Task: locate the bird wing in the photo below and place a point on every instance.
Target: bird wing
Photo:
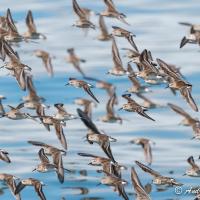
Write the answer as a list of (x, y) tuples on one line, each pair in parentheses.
[(140, 191), (105, 145), (60, 134), (19, 187), (179, 110), (141, 112), (12, 186), (87, 121), (79, 12), (57, 160), (128, 98), (115, 55), (186, 94), (38, 189), (87, 155), (147, 169), (20, 76), (36, 143), (144, 98), (148, 152), (4, 156), (87, 89), (132, 77), (41, 113), (30, 86), (43, 157), (50, 66), (10, 22), (167, 70), (102, 25), (110, 5), (77, 67), (30, 22), (110, 105), (191, 161), (122, 191)]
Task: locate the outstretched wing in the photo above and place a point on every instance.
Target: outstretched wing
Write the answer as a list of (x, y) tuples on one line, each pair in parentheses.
[(87, 121), (87, 89), (30, 22), (43, 157), (147, 169), (38, 189)]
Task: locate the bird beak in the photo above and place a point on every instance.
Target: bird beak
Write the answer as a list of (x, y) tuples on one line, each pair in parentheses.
[(66, 84), (34, 170), (90, 163), (184, 174), (120, 108)]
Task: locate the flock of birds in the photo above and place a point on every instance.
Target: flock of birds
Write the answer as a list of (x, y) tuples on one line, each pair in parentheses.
[(149, 72)]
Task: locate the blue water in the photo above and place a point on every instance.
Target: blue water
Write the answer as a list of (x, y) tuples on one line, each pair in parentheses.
[(156, 25)]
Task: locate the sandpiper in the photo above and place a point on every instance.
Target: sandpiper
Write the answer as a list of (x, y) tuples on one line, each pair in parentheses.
[(133, 106), (75, 61), (46, 59), (45, 164), (31, 182), (104, 35), (32, 31), (62, 114), (137, 87), (10, 181), (96, 136), (194, 170), (4, 156), (110, 115), (117, 69), (176, 82), (194, 35), (146, 145), (83, 21), (111, 11), (99, 161), (120, 32), (141, 194), (106, 163), (16, 114), (56, 155), (158, 178), (84, 85), (104, 141)]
